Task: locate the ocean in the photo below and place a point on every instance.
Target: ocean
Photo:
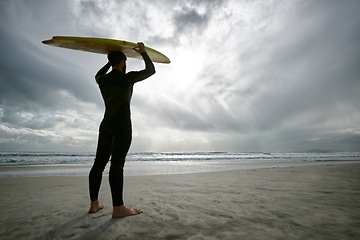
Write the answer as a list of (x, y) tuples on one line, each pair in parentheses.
[(32, 164)]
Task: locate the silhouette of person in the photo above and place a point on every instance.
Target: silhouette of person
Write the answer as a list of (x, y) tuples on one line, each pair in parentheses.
[(115, 132)]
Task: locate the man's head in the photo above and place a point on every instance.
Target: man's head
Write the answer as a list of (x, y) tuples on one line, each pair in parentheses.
[(117, 59)]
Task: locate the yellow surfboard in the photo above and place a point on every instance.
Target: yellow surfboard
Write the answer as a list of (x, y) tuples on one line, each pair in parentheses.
[(104, 46)]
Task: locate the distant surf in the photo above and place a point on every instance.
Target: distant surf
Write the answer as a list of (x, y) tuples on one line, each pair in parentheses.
[(18, 164)]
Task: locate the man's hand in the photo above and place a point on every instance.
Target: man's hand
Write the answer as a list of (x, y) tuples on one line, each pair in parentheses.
[(141, 48)]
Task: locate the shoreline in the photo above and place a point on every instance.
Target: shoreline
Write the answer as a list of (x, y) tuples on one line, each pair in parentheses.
[(311, 202), (150, 168)]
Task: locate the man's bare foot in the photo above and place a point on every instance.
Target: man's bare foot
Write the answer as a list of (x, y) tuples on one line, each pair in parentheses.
[(95, 206), (122, 211)]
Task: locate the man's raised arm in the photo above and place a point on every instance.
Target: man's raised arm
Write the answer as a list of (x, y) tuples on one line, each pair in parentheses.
[(102, 71), (149, 66)]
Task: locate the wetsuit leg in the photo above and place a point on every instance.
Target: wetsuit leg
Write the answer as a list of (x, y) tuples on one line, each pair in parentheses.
[(120, 146), (102, 157)]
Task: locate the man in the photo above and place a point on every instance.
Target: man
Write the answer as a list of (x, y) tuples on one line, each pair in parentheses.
[(115, 131)]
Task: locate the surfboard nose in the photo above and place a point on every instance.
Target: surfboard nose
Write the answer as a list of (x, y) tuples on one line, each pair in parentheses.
[(46, 41)]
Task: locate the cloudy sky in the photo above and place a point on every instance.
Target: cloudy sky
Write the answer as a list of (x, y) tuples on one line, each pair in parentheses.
[(262, 75)]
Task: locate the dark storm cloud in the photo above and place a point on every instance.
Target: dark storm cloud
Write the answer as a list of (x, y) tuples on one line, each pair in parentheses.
[(312, 67), (188, 20), (29, 75), (316, 83), (31, 84), (39, 90)]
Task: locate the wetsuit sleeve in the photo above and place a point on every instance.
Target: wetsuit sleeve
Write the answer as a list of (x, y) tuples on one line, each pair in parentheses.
[(143, 74), (102, 72)]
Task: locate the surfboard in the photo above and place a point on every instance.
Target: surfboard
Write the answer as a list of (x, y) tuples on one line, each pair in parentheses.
[(104, 46)]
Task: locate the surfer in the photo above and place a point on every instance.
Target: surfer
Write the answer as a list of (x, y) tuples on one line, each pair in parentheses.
[(115, 132)]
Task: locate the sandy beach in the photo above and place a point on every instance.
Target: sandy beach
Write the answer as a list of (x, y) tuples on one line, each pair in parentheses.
[(314, 202)]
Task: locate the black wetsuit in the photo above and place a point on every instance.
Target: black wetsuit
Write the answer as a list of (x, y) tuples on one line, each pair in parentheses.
[(115, 131)]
